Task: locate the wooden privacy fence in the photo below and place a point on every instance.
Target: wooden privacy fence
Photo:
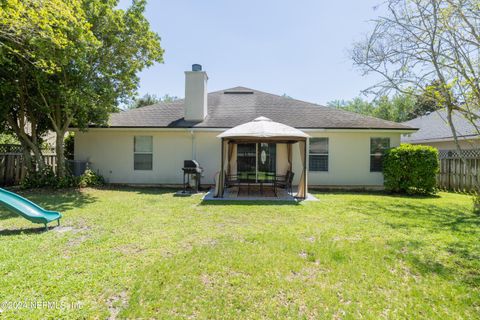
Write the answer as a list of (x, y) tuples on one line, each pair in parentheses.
[(456, 175), (12, 165)]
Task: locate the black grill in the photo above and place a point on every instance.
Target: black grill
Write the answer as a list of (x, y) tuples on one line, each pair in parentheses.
[(191, 167)]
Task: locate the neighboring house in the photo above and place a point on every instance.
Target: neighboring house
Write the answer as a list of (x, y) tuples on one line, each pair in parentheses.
[(148, 145), (435, 131)]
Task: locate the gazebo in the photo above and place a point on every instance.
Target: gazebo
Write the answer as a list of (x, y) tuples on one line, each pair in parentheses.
[(254, 146)]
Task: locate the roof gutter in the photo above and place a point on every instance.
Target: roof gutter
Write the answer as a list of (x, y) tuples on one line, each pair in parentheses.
[(446, 139), (208, 129)]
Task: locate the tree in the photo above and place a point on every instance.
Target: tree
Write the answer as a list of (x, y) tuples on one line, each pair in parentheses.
[(431, 46), (398, 108), (168, 98), (425, 103), (149, 99), (87, 66), (20, 112), (26, 27), (357, 105)]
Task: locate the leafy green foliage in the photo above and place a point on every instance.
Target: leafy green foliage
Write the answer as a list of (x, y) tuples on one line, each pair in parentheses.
[(476, 203), (39, 179), (399, 108), (47, 178), (78, 58), (149, 99), (90, 179), (6, 138), (69, 146), (411, 169)]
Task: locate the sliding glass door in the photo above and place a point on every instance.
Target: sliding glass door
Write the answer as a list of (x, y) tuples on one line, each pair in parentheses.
[(255, 160), (266, 159)]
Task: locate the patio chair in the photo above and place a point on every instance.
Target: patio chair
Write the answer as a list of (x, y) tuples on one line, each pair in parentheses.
[(232, 180), (285, 181)]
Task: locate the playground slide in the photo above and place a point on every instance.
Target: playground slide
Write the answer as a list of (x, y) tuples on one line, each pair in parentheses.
[(27, 209)]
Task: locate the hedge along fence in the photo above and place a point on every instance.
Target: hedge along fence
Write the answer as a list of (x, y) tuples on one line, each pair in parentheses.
[(12, 165), (411, 169)]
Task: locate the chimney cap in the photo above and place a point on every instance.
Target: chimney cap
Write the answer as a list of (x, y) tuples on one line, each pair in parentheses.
[(196, 67)]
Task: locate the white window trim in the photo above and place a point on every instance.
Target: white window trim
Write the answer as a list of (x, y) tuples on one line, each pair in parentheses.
[(319, 154), (142, 152), (374, 154)]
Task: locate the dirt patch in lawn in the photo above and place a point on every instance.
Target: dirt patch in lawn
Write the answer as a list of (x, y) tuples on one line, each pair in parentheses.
[(116, 303), (130, 249)]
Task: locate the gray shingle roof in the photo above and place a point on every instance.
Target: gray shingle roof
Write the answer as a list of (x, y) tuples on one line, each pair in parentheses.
[(434, 126), (231, 107)]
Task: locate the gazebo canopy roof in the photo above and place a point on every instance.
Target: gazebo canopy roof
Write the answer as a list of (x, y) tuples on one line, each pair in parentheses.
[(263, 127)]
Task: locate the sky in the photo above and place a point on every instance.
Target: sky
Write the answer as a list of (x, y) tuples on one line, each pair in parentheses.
[(299, 48)]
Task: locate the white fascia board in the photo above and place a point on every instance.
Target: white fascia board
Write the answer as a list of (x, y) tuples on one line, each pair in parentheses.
[(447, 139), (400, 131)]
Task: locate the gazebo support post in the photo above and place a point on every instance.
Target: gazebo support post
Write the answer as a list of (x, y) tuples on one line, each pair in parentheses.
[(222, 174), (305, 170)]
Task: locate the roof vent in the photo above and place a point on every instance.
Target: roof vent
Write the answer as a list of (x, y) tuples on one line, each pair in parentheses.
[(196, 67)]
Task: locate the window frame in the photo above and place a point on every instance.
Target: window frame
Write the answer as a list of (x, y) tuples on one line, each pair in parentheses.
[(310, 154), (135, 152), (372, 169)]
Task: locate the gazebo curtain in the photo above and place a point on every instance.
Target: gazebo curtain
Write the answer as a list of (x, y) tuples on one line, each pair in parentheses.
[(289, 156), (231, 151), (220, 177), (302, 185)]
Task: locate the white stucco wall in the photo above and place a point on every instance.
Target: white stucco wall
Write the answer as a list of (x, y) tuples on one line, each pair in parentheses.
[(110, 152), (349, 159)]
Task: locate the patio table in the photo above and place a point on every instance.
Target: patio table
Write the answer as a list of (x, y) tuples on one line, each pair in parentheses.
[(267, 178)]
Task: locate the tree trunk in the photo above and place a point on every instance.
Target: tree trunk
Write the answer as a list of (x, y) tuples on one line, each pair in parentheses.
[(59, 149), (29, 145), (27, 156), (38, 156)]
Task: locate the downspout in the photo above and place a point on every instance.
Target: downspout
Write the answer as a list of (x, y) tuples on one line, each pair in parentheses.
[(256, 162), (192, 134)]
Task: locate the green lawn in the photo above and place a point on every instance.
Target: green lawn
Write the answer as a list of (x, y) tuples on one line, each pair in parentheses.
[(143, 253)]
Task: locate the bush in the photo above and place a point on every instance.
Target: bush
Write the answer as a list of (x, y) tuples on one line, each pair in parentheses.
[(90, 179), (411, 169), (39, 179), (476, 203), (47, 178), (69, 146)]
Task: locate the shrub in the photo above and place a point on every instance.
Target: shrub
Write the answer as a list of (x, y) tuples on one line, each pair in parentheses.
[(39, 179), (476, 203), (411, 169), (90, 179), (69, 146), (47, 178)]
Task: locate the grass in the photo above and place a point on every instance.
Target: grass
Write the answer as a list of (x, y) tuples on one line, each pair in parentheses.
[(144, 253)]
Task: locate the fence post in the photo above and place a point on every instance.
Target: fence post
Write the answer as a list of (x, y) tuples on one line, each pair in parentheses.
[(449, 173)]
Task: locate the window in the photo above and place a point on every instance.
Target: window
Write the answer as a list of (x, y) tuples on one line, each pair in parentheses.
[(318, 160), (377, 149), (142, 153)]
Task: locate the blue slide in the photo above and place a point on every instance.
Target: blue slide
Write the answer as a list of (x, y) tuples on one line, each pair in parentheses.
[(27, 209)]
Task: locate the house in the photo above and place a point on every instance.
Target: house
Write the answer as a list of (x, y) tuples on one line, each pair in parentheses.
[(148, 145), (435, 131)]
